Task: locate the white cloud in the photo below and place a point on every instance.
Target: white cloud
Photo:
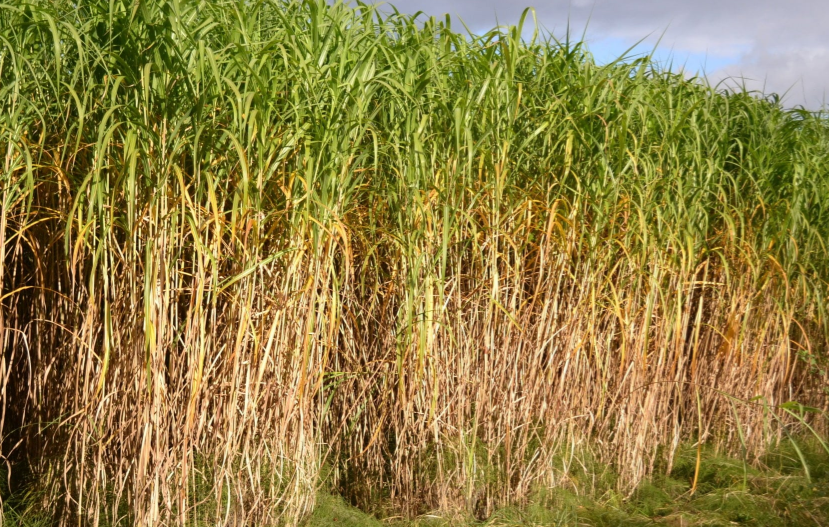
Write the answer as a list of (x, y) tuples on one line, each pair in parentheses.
[(802, 72)]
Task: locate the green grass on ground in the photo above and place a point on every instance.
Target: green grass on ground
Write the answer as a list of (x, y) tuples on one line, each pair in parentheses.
[(775, 491), (729, 492)]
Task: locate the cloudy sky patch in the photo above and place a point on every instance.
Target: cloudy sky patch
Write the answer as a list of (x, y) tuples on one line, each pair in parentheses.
[(775, 45)]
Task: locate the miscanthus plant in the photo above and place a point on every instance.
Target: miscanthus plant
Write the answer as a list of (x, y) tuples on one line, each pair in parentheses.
[(247, 244)]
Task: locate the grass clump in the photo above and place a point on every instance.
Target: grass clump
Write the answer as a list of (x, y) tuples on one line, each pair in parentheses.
[(332, 510), (240, 242)]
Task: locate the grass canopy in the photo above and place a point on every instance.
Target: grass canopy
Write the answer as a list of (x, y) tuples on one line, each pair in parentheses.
[(249, 246)]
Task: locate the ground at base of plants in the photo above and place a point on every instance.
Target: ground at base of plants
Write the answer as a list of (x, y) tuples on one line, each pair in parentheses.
[(774, 491), (728, 492)]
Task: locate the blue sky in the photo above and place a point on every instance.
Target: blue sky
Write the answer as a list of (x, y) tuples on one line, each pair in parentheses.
[(770, 45), (610, 48)]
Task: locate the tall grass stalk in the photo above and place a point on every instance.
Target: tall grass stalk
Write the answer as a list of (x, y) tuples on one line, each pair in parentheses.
[(243, 241)]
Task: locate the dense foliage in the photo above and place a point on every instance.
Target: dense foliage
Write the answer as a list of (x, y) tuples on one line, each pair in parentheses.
[(245, 245)]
